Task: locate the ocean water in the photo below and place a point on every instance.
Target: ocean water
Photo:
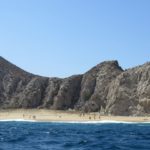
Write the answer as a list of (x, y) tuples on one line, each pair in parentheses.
[(74, 136)]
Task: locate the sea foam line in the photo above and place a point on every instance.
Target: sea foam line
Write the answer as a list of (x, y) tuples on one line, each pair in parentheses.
[(97, 122), (75, 122), (16, 120)]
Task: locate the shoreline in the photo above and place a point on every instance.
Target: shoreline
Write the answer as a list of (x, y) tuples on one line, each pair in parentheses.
[(43, 115)]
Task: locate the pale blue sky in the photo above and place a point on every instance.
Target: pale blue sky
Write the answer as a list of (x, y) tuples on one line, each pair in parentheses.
[(65, 37)]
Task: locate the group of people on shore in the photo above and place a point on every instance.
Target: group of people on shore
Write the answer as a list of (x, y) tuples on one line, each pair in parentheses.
[(29, 116), (90, 116)]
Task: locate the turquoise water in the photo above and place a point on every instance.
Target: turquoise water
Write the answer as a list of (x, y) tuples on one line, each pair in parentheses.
[(63, 136)]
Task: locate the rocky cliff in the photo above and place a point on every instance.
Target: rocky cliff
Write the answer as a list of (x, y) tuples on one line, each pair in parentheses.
[(106, 88)]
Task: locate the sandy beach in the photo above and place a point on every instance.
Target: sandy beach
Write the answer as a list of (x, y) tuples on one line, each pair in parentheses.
[(63, 116)]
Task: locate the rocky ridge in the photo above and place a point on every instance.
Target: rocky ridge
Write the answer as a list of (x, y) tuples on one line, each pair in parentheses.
[(106, 88)]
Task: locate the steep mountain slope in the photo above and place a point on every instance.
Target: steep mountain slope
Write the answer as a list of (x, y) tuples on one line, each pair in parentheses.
[(106, 88), (129, 93)]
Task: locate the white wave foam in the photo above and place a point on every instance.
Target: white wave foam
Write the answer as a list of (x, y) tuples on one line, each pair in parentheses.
[(20, 120), (98, 122), (75, 122), (92, 122)]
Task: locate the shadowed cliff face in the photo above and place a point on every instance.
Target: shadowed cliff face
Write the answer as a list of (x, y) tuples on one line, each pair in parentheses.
[(106, 88)]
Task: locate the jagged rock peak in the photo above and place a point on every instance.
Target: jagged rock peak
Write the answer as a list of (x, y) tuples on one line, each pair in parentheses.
[(106, 65), (110, 63)]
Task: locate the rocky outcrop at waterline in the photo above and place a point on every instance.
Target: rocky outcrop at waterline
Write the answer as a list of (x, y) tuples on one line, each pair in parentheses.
[(106, 88)]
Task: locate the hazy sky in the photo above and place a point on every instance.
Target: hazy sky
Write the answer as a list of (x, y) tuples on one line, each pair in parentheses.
[(65, 37)]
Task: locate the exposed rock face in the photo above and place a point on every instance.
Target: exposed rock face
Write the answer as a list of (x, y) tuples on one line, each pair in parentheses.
[(129, 93), (106, 88), (94, 86), (62, 93)]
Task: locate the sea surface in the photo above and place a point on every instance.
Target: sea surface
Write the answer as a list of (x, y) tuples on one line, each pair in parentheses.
[(74, 136)]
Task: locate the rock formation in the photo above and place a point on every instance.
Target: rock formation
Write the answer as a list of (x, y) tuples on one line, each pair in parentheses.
[(106, 88)]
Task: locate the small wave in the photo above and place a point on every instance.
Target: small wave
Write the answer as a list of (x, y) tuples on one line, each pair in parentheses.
[(98, 122), (76, 122), (16, 120)]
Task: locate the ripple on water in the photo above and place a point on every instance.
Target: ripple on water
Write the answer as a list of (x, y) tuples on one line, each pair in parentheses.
[(56, 136)]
